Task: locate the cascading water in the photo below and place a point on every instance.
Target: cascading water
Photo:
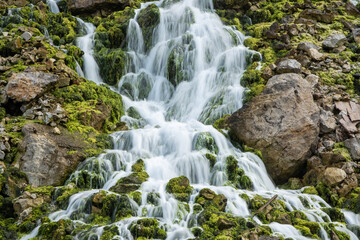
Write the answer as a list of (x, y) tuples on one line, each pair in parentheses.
[(86, 44), (210, 60), (53, 6)]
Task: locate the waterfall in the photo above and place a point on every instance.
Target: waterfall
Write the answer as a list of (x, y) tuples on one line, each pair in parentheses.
[(86, 44), (53, 6), (174, 112)]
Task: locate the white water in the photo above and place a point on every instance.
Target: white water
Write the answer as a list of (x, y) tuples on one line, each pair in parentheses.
[(86, 44), (53, 6), (213, 61)]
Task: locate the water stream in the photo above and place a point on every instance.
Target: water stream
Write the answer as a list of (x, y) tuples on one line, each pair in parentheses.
[(211, 60)]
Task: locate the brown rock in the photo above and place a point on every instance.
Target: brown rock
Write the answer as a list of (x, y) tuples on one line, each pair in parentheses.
[(317, 15), (282, 122), (94, 6), (333, 176)]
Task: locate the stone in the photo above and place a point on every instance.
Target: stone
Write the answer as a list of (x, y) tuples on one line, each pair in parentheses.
[(353, 145), (313, 80), (334, 41), (333, 176), (348, 125), (305, 46), (327, 122), (26, 36), (2, 155), (289, 66), (235, 4), (351, 9), (223, 223), (94, 6), (56, 131), (281, 122), (314, 54), (356, 34), (44, 155), (317, 15), (26, 86)]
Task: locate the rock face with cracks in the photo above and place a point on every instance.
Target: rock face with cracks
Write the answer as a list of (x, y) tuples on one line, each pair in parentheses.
[(282, 122)]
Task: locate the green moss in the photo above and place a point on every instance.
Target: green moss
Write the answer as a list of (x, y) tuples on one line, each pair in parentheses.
[(110, 232), (221, 123), (339, 148), (180, 187), (236, 175), (148, 19), (310, 190), (335, 214), (111, 63), (46, 190), (204, 140), (211, 158), (147, 228), (56, 230), (139, 166)]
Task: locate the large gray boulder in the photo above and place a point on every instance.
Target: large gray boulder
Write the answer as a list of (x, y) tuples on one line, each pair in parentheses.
[(282, 122), (45, 154)]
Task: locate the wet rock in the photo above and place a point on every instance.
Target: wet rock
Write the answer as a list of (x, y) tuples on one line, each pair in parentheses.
[(148, 19), (353, 145), (180, 187), (44, 155), (317, 15), (25, 86), (334, 41), (288, 66), (327, 122), (333, 176), (282, 122), (147, 228), (130, 183), (208, 198)]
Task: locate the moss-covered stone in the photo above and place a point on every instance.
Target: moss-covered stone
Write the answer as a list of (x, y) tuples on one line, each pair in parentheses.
[(179, 187), (148, 19), (139, 166), (147, 228), (204, 140), (236, 175), (208, 198), (130, 183)]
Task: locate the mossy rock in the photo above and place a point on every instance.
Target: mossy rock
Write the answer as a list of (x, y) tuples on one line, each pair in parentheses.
[(335, 214), (56, 230), (236, 175), (130, 183), (204, 140), (147, 228), (180, 188), (139, 166), (111, 63), (208, 198), (148, 19)]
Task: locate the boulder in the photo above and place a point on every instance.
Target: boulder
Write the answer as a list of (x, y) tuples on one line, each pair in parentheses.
[(289, 66), (317, 15), (334, 41), (179, 187), (333, 176), (44, 155), (305, 46), (282, 122), (94, 6), (353, 145), (26, 86)]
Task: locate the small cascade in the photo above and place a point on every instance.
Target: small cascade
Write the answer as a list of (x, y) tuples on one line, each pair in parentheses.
[(53, 6), (86, 44), (171, 116)]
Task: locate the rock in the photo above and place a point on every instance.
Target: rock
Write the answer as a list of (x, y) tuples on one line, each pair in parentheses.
[(313, 80), (327, 122), (2, 155), (289, 66), (130, 183), (356, 34), (28, 200), (282, 122), (56, 131), (353, 145), (314, 54), (207, 197), (24, 87), (18, 3), (317, 15), (26, 36), (333, 176), (223, 223), (44, 155), (305, 46), (235, 4), (351, 9), (334, 41), (180, 187), (96, 6), (148, 19)]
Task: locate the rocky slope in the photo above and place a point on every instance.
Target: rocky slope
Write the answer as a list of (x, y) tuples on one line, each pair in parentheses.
[(301, 113)]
